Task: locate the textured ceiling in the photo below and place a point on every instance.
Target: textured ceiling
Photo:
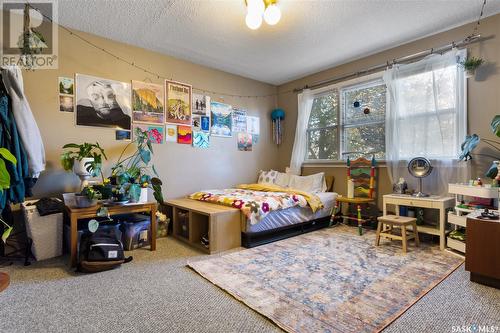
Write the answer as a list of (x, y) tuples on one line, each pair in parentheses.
[(311, 36)]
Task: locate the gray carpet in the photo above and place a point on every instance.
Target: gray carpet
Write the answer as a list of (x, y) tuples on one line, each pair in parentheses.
[(156, 292)]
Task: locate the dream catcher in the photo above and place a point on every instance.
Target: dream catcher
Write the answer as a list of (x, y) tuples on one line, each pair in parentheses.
[(278, 115)]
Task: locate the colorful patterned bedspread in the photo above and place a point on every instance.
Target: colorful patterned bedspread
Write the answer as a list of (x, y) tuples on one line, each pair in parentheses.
[(256, 205)]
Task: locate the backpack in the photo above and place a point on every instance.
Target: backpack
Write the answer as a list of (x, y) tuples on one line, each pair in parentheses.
[(100, 251)]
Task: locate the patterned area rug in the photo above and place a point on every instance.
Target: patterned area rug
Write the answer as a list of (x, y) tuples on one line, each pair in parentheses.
[(330, 280)]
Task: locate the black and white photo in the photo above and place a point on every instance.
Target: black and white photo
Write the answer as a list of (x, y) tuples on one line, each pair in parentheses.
[(102, 102), (201, 105)]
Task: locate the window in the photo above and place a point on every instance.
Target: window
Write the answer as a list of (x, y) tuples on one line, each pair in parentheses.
[(428, 115), (348, 120)]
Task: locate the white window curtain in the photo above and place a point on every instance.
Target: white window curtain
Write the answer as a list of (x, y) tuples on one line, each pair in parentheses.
[(426, 116), (305, 101)]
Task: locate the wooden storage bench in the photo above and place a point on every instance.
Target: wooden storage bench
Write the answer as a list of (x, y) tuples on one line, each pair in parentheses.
[(192, 219)]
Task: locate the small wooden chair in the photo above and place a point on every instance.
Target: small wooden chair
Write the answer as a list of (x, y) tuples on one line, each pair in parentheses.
[(362, 172), (400, 221)]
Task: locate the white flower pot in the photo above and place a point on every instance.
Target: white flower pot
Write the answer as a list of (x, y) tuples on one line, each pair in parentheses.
[(80, 169), (470, 73), (144, 195)]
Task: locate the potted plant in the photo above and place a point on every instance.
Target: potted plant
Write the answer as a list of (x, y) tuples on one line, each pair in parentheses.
[(84, 159), (5, 156), (470, 65), (472, 141), (132, 174), (88, 197)]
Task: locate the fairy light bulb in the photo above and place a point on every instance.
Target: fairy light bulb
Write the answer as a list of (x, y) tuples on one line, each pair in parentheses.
[(256, 6)]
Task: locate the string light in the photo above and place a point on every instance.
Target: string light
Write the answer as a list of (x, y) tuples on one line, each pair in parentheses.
[(145, 70), (478, 23)]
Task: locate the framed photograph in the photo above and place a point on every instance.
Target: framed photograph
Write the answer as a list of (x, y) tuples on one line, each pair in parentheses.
[(222, 122), (201, 140), (205, 123), (147, 102), (178, 101), (66, 103), (170, 133), (244, 142), (66, 85), (239, 121), (196, 123), (201, 105), (102, 102), (184, 134), (122, 135), (155, 132)]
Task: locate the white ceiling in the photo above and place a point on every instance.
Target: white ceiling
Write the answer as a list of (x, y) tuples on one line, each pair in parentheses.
[(311, 36)]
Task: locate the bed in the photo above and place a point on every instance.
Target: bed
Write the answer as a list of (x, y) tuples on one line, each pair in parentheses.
[(271, 212)]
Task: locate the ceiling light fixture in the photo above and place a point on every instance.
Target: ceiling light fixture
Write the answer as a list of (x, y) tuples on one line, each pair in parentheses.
[(257, 9)]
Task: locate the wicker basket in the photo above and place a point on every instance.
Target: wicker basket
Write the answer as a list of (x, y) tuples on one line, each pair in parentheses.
[(45, 231)]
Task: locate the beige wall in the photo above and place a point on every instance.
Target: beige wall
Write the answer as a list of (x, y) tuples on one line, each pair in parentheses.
[(182, 168), (483, 92)]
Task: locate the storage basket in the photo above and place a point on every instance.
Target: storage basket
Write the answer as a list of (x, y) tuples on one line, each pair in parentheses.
[(45, 231)]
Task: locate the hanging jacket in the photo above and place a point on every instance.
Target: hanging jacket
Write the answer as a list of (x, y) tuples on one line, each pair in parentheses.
[(26, 124), (9, 139)]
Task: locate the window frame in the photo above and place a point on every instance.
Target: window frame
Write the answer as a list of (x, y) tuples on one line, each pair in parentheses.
[(340, 87)]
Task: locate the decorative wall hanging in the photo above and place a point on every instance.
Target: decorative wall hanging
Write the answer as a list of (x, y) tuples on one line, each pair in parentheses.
[(147, 102), (244, 141), (253, 125), (66, 94), (278, 115), (178, 101), (239, 121), (222, 121), (184, 134), (156, 133), (205, 123), (201, 105), (196, 123), (122, 135), (102, 102), (170, 133), (201, 140)]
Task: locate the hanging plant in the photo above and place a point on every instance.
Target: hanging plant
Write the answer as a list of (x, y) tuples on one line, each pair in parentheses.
[(470, 65)]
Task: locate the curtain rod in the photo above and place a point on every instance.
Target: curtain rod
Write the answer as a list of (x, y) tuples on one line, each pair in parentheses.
[(406, 59)]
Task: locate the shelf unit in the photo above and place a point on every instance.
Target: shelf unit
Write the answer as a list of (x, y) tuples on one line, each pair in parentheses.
[(458, 217)]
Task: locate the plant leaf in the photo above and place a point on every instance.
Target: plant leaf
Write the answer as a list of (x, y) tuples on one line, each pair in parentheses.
[(471, 142), (103, 212), (492, 171), (145, 156), (135, 192), (6, 234), (495, 125), (93, 225), (6, 154), (71, 145), (4, 176)]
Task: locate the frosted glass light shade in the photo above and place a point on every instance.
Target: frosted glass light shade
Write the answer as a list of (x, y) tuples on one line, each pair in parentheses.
[(253, 20), (256, 6), (272, 15)]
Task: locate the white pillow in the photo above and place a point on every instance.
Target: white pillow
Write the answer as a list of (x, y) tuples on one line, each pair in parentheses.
[(267, 177), (313, 183), (283, 179)]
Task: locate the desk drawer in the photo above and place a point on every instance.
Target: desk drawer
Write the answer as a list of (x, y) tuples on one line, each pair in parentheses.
[(413, 203)]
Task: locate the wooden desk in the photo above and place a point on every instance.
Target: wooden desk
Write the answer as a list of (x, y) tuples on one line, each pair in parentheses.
[(435, 202), (220, 223), (80, 213)]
